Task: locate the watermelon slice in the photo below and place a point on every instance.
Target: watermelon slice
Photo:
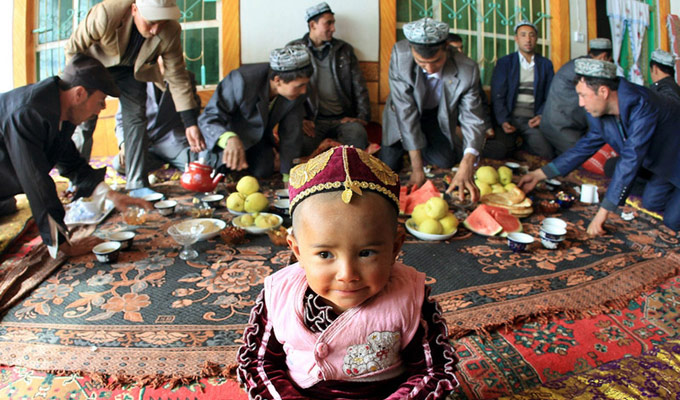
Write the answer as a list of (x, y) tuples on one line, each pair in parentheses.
[(480, 221), (407, 202), (481, 225)]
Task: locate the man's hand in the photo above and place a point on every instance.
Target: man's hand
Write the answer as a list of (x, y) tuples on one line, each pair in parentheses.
[(490, 133), (535, 122), (508, 128), (195, 139), (350, 119), (596, 226), (464, 179), (122, 201), (417, 178), (308, 127), (79, 247), (529, 181), (234, 155)]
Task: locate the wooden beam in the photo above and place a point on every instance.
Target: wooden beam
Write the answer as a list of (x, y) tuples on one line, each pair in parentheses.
[(591, 14), (664, 10), (231, 36), (388, 37), (23, 42), (559, 33)]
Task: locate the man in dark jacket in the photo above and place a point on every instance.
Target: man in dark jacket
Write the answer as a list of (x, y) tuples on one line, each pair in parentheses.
[(662, 69), (519, 87), (338, 104), (36, 124), (238, 120)]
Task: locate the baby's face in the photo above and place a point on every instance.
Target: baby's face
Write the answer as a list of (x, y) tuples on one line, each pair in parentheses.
[(346, 250)]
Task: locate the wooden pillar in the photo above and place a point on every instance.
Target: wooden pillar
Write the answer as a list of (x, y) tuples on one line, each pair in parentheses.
[(664, 10), (23, 42), (231, 36), (591, 14), (560, 46), (388, 37)]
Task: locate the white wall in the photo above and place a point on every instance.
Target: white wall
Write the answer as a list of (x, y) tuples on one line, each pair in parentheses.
[(675, 7), (269, 24), (578, 23), (6, 80)]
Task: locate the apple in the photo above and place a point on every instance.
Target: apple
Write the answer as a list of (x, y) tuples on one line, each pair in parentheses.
[(236, 201), (247, 185), (256, 202), (436, 207), (430, 226)]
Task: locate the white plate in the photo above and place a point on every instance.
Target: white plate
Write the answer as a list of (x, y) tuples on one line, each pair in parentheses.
[(255, 230), (236, 212), (282, 203), (153, 197), (282, 193), (70, 219), (411, 228), (212, 226)]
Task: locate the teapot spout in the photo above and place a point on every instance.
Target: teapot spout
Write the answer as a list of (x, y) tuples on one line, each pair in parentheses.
[(217, 179)]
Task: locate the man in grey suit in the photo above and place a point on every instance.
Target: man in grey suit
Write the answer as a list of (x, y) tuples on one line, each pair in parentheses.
[(238, 120), (564, 122), (432, 87)]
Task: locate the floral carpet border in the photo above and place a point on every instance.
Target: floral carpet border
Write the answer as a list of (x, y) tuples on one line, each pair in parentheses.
[(514, 302)]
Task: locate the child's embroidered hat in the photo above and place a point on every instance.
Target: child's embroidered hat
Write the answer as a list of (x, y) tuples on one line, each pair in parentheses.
[(343, 168)]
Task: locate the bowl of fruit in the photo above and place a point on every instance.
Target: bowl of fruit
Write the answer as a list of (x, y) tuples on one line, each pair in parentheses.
[(432, 220), (257, 223)]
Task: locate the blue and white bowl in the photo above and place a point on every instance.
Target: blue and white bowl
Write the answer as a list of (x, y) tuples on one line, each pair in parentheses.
[(553, 232), (518, 241)]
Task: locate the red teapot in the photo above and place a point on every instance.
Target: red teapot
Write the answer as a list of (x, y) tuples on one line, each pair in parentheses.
[(200, 177)]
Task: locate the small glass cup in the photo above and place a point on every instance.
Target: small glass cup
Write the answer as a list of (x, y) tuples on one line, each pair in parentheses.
[(134, 215), (186, 236)]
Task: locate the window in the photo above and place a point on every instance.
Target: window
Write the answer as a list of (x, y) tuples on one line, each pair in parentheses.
[(485, 26), (200, 35)]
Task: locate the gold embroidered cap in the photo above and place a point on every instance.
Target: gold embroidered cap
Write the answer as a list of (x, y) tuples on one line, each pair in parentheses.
[(343, 168)]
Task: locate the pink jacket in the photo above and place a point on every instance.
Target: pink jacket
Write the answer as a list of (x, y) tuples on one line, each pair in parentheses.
[(363, 344)]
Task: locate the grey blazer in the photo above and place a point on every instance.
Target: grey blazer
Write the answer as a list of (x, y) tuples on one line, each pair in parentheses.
[(240, 104), (460, 100)]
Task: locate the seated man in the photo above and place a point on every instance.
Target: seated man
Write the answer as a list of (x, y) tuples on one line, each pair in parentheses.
[(519, 87), (563, 122), (662, 69), (338, 96), (432, 87), (640, 126), (239, 118), (167, 141), (37, 123)]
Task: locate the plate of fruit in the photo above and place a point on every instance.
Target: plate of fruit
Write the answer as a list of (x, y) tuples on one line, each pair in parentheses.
[(257, 223), (432, 220)]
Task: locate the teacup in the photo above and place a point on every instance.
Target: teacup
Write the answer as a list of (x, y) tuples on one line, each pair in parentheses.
[(124, 237), (153, 197), (518, 241), (554, 221), (553, 232), (213, 200), (107, 252), (549, 244), (552, 184), (166, 207)]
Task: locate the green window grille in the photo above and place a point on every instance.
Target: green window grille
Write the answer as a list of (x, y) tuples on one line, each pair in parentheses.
[(200, 35), (485, 26)]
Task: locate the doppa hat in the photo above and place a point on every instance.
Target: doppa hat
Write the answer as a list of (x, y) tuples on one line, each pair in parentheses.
[(663, 58), (320, 8), (346, 169), (426, 31), (83, 70), (525, 22), (600, 44), (158, 10), (595, 68), (289, 58)]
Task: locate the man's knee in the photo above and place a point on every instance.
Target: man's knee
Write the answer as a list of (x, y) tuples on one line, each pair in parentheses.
[(8, 206)]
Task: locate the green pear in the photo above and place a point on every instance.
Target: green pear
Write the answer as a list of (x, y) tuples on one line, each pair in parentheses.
[(487, 174), (419, 214), (436, 207), (236, 201), (504, 175), (430, 226), (256, 202), (449, 223), (246, 220), (497, 188), (484, 188), (247, 185)]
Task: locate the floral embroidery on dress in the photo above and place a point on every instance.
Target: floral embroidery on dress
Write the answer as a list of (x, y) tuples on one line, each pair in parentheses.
[(380, 351)]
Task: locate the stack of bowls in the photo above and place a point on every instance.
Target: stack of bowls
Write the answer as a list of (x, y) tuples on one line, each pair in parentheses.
[(553, 231)]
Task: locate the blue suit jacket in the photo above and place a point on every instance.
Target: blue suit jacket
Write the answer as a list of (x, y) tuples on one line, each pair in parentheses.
[(505, 85), (648, 137)]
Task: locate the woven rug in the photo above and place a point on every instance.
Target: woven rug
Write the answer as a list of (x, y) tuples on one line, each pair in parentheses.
[(153, 316)]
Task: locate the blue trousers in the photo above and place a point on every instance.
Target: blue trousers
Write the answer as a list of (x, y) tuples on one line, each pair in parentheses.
[(662, 195)]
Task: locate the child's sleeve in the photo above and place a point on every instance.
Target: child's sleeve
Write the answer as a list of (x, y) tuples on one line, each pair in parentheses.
[(262, 362), (429, 358)]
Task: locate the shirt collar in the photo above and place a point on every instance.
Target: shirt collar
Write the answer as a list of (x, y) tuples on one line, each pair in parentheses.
[(437, 74), (526, 64)]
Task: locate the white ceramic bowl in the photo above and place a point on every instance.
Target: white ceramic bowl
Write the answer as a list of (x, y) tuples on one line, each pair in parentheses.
[(413, 230), (124, 237), (283, 193), (555, 222), (553, 232), (211, 226), (512, 165), (518, 241), (282, 203), (153, 197), (213, 200), (107, 252), (549, 244), (166, 207), (254, 229)]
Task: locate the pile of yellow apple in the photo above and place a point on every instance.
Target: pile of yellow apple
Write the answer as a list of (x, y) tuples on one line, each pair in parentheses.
[(434, 217), (247, 196), (491, 180), (262, 220)]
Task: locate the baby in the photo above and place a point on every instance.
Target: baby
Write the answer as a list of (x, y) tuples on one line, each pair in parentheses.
[(347, 321)]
